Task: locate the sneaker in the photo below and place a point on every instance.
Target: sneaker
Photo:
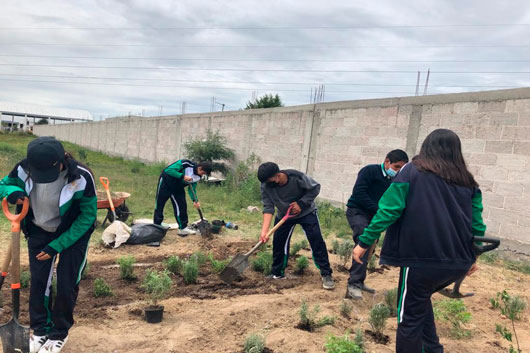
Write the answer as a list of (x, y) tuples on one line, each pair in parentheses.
[(186, 231), (353, 292), (53, 346), (367, 289), (327, 282), (275, 276), (36, 343)]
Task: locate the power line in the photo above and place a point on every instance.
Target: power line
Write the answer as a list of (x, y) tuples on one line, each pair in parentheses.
[(256, 82), (264, 60), (259, 70), (480, 25), (295, 46)]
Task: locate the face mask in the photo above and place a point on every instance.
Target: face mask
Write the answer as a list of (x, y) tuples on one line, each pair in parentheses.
[(391, 172)]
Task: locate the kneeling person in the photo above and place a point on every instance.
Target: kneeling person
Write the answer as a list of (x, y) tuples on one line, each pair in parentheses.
[(171, 184), (283, 189)]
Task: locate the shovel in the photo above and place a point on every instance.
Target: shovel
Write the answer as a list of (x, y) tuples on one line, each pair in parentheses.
[(239, 264), (455, 293), (15, 337), (5, 265), (205, 228), (116, 227)]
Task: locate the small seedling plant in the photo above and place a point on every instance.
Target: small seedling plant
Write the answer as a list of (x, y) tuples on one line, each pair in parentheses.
[(126, 264), (343, 344), (301, 265), (156, 284), (190, 270), (346, 309), (25, 279), (218, 265), (391, 301), (263, 262), (378, 316), (101, 288), (309, 320), (335, 245), (174, 264), (296, 247), (512, 307), (454, 312), (86, 271), (255, 343), (345, 252)]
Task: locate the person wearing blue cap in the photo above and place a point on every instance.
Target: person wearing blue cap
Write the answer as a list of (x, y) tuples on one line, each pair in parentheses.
[(61, 219)]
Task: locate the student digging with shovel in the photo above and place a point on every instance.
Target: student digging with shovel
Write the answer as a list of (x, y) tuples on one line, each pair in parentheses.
[(431, 212), (60, 221), (171, 183), (283, 189)]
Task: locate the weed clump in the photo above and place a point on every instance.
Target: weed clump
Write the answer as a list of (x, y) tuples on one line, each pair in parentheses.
[(309, 320), (101, 288), (454, 312), (342, 344), (254, 343), (126, 264)]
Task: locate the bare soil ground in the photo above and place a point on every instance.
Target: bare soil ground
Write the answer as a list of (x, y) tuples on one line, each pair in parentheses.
[(211, 316)]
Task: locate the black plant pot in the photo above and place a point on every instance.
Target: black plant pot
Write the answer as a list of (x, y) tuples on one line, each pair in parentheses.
[(153, 314)]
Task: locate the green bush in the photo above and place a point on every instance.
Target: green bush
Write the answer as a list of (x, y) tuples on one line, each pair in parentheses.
[(342, 345), (243, 185), (126, 264), (174, 264), (391, 301), (346, 308), (218, 265), (156, 284), (378, 316), (455, 313), (263, 262), (190, 271), (25, 279), (213, 148), (309, 320), (101, 288), (254, 343), (296, 247), (301, 264)]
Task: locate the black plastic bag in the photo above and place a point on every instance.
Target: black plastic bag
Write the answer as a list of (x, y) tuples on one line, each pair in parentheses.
[(146, 233)]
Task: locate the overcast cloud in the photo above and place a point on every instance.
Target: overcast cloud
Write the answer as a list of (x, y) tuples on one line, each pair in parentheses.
[(118, 57)]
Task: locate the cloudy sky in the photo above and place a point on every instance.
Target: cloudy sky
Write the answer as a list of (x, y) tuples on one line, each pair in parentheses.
[(147, 57)]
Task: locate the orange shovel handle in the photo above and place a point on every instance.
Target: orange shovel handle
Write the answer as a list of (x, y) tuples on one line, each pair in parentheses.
[(15, 219)]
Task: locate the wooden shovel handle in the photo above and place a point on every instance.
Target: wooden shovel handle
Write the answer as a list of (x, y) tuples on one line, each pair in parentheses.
[(15, 239), (275, 228), (7, 261), (105, 182), (15, 219)]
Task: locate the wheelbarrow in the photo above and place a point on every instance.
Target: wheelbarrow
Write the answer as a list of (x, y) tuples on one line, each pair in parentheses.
[(121, 209)]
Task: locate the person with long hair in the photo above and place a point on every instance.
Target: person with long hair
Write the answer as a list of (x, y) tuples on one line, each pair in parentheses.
[(431, 212), (60, 221)]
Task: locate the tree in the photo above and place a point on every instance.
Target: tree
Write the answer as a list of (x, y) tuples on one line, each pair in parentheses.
[(213, 149), (266, 101), (42, 121)]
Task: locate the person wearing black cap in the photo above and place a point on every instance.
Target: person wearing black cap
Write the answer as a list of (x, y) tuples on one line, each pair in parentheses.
[(290, 188), (61, 219), (171, 184)]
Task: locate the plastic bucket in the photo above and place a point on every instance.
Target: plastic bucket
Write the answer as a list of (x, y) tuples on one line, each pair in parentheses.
[(154, 314)]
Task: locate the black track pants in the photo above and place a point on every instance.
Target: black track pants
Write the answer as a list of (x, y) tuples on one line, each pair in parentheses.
[(178, 199), (358, 220)]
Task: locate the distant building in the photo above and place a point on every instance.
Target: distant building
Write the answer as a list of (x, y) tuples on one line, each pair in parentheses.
[(16, 116)]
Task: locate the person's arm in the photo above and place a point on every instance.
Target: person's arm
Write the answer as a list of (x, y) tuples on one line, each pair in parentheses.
[(192, 191), (268, 213), (360, 191), (12, 187), (267, 220), (175, 170), (311, 188), (86, 218), (478, 228)]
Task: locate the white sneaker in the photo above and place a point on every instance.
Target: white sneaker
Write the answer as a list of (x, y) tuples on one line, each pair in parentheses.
[(53, 346), (36, 342), (186, 231)]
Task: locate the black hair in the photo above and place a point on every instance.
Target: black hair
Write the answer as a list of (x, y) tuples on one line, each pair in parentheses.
[(206, 166), (397, 156), (267, 170), (441, 154)]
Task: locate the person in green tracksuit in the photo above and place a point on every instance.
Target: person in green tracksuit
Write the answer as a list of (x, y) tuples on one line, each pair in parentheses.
[(60, 221), (171, 183), (431, 211)]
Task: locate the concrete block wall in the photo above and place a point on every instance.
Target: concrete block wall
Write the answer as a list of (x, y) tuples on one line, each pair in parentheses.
[(332, 141)]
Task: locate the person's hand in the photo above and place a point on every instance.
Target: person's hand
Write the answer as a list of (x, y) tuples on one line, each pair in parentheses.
[(42, 256), (473, 269), (295, 208), (187, 178), (21, 201), (263, 236), (358, 253), (197, 204), (16, 198)]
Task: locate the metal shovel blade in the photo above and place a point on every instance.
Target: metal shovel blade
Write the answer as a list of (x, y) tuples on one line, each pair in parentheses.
[(205, 228), (455, 293), (15, 337), (235, 268)]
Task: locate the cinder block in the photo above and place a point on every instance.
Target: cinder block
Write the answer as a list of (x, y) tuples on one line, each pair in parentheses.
[(513, 162), (508, 189), (466, 107), (492, 200), (482, 158), (496, 106), (503, 216), (497, 118), (515, 232), (517, 204), (518, 105), (499, 146), (516, 133), (473, 146), (488, 132)]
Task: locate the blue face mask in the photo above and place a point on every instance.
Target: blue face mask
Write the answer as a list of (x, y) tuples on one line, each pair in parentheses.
[(391, 172)]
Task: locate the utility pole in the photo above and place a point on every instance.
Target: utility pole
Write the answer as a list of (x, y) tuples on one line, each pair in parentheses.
[(427, 81), (222, 105), (417, 84)]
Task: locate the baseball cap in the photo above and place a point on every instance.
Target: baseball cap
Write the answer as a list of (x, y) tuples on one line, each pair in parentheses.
[(45, 155)]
